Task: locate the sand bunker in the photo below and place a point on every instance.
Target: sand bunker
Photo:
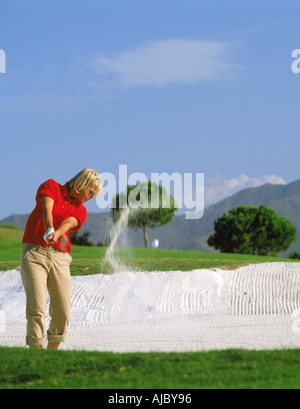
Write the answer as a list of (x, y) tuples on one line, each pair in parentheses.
[(255, 307)]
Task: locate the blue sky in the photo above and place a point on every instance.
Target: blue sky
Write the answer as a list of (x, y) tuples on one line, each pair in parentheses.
[(196, 86)]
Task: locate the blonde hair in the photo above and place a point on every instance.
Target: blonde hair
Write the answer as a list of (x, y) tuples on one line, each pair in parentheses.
[(87, 179)]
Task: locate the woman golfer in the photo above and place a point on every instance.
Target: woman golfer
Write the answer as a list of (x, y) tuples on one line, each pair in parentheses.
[(45, 259)]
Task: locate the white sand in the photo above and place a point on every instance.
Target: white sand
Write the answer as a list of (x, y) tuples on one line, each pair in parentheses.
[(255, 307)]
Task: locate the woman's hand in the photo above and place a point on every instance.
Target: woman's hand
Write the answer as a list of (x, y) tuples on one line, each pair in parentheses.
[(48, 236), (53, 238), (68, 224)]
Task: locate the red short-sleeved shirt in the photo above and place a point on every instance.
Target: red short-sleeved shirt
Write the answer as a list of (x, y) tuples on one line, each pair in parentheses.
[(64, 207)]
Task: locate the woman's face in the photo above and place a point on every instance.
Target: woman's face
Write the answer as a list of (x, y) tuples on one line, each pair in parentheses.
[(82, 195)]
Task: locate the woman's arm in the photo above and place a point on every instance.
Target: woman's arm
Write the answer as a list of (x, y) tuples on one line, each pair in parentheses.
[(68, 224), (47, 208)]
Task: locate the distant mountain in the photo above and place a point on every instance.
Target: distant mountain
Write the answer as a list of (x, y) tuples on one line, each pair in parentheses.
[(185, 234)]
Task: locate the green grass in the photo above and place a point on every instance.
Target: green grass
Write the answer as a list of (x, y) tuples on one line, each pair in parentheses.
[(9, 231), (89, 260), (10, 246), (240, 369)]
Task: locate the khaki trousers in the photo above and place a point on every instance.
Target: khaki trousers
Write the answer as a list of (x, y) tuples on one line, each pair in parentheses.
[(41, 269)]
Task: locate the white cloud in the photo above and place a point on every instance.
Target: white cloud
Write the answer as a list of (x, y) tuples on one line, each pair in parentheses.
[(219, 188), (164, 62)]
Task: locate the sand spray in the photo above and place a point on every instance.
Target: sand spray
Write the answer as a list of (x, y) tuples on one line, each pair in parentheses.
[(118, 228)]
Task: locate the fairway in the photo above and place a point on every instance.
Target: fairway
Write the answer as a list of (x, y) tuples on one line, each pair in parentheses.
[(89, 260)]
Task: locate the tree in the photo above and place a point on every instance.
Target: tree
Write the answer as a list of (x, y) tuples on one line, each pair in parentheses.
[(252, 230), (295, 255), (82, 240), (149, 204)]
